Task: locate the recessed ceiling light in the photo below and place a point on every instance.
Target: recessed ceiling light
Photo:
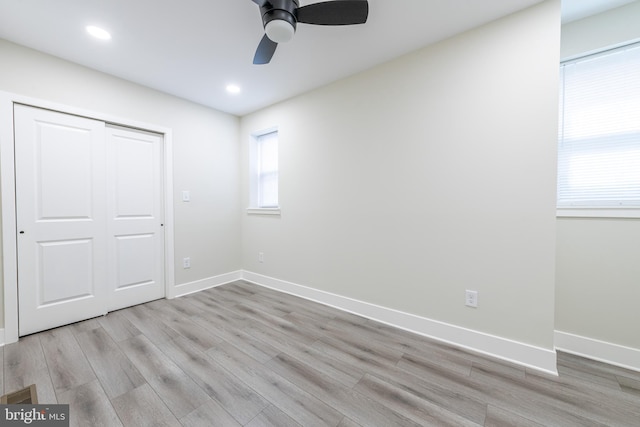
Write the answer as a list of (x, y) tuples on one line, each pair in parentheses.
[(98, 32), (233, 89)]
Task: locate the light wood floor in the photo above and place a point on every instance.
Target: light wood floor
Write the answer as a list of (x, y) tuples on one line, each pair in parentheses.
[(243, 355)]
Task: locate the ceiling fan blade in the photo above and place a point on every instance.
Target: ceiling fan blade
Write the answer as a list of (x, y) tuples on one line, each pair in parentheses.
[(337, 12), (260, 2), (265, 51)]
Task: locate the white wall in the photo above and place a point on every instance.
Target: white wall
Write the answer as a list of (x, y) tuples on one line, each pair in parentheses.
[(205, 150), (601, 31), (598, 264), (434, 173)]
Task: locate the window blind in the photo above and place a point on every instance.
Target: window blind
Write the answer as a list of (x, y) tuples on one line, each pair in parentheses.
[(268, 170), (599, 136)]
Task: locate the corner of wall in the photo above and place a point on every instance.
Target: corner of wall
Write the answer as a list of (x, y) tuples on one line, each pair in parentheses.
[(602, 351)]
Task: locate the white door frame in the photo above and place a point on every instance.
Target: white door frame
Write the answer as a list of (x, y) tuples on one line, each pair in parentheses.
[(8, 210)]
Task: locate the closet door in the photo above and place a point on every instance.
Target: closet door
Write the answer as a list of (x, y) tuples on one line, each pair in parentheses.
[(61, 218), (136, 238), (89, 213)]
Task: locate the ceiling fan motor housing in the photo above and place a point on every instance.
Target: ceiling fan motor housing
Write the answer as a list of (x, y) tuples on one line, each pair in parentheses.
[(283, 10), (280, 18)]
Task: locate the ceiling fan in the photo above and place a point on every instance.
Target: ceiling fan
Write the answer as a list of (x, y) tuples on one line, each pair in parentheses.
[(280, 17)]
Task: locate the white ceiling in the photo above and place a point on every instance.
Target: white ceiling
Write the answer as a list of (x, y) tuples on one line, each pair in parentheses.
[(194, 48)]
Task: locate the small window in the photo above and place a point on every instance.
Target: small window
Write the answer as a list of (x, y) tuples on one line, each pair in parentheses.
[(599, 140), (264, 170)]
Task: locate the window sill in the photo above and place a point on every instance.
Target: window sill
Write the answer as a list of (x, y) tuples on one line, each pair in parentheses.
[(598, 213), (263, 211)]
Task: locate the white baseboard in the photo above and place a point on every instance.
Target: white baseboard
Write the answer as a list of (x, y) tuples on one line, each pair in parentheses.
[(602, 351), (201, 285), (523, 354)]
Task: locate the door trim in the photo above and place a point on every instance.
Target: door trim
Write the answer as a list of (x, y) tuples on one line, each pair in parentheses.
[(8, 210)]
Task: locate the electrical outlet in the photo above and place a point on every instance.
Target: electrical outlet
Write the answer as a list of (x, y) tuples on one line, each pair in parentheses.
[(186, 262), (471, 298), (260, 256)]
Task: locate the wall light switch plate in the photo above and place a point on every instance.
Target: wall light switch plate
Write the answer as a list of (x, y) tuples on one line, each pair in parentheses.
[(186, 196)]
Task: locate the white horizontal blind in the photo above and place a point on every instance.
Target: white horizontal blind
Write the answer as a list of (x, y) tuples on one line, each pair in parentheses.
[(599, 141), (267, 145)]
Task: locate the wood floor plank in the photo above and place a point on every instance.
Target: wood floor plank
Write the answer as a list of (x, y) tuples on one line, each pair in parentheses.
[(291, 303), (352, 404), (588, 376), (225, 298), (343, 373), (276, 323), (141, 407), (238, 337), (89, 406), (278, 339), (84, 326), (297, 403), (569, 384), (347, 336), (409, 404), (581, 390), (348, 422), (238, 399), (434, 358), (180, 305), (500, 391), (24, 356), (118, 326), (25, 364), (575, 408), (440, 352), (68, 366), (209, 414), (272, 417), (498, 367), (170, 382), (302, 320), (178, 392), (146, 322), (361, 359), (273, 307), (116, 372), (498, 417), (301, 305), (466, 405), (175, 317), (207, 302), (593, 366)]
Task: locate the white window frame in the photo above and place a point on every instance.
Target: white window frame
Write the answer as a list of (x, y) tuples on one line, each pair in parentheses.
[(595, 210), (256, 206)]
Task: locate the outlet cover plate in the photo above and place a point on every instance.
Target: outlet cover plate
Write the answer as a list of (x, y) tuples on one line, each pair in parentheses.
[(471, 299)]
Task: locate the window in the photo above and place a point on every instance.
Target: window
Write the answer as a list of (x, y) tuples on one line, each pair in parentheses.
[(264, 171), (599, 141)]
